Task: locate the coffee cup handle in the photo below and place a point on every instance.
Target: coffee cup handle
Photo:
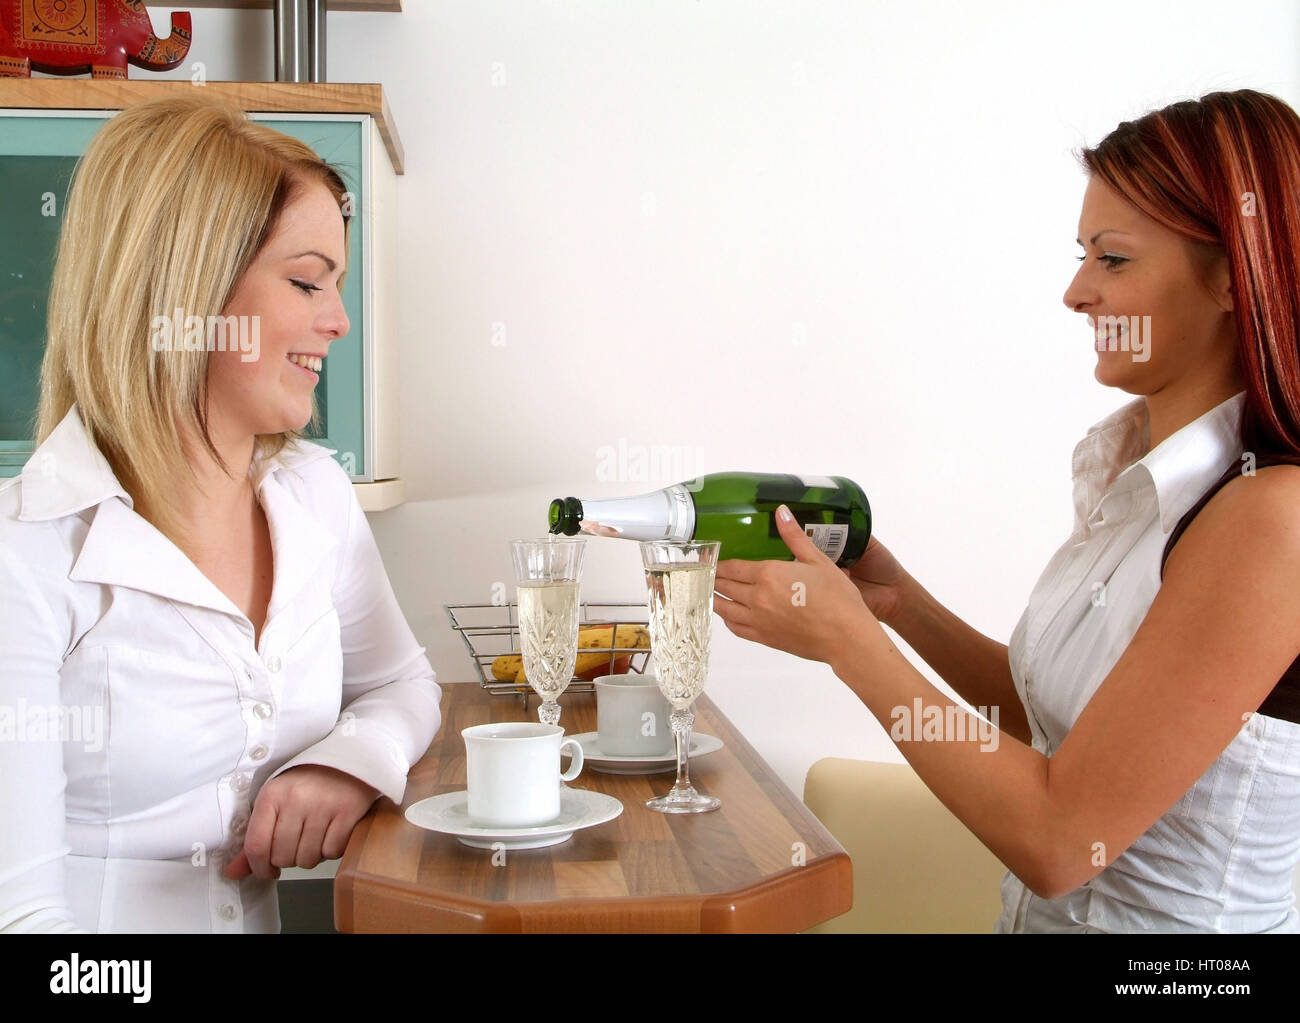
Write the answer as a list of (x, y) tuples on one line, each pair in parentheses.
[(575, 768)]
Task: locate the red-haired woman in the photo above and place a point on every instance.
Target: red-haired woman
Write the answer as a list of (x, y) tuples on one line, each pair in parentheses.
[(1148, 777)]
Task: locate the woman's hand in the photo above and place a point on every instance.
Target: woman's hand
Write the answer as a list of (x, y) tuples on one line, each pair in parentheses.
[(300, 818), (808, 607), (881, 581)]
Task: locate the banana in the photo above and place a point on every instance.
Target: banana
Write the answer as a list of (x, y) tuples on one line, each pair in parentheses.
[(507, 666), (634, 636), (510, 667), (590, 666)]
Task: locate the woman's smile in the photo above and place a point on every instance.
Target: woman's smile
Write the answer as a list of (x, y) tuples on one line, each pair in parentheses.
[(293, 286), (307, 366)]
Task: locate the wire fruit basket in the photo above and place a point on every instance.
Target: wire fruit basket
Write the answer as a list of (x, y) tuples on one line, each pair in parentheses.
[(491, 631)]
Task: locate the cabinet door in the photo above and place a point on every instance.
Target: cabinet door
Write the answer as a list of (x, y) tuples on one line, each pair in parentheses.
[(38, 152)]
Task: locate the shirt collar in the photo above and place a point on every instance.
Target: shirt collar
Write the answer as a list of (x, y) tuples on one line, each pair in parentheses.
[(1113, 457), (68, 473)]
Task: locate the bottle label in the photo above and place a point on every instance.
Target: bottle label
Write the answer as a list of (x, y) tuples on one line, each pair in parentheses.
[(667, 514), (681, 516), (818, 481), (830, 538)]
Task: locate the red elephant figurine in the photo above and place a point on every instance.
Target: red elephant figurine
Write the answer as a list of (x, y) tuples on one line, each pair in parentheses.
[(71, 37)]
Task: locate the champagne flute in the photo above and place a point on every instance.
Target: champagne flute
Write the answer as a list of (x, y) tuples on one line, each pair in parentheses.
[(547, 572), (679, 578)]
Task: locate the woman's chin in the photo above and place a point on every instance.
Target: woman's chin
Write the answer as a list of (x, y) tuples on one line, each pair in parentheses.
[(297, 411), (1114, 370), (292, 419)]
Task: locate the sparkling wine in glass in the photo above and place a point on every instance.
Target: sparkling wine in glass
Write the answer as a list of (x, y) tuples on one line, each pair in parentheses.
[(547, 573), (679, 581)]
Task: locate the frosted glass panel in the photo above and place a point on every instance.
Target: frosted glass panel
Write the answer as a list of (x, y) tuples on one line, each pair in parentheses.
[(37, 158)]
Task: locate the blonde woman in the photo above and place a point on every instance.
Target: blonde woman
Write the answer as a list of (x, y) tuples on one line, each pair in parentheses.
[(198, 642)]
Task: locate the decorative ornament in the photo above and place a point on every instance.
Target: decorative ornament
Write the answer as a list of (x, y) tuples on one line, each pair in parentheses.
[(71, 37)]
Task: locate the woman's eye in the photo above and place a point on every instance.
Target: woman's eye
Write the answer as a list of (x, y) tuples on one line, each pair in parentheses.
[(308, 288), (1110, 261)]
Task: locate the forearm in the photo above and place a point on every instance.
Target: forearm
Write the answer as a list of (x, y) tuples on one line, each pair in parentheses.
[(380, 735), (996, 785), (977, 667), (34, 902)]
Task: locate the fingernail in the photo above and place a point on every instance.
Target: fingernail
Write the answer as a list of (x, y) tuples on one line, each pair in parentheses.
[(783, 513)]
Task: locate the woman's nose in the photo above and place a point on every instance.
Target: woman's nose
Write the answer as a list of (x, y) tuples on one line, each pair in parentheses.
[(1079, 293), (337, 319)]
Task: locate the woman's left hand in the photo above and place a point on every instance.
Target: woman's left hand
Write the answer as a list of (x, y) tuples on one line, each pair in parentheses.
[(300, 818), (807, 607)]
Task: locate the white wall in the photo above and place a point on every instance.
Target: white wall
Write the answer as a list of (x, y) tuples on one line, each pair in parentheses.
[(824, 237)]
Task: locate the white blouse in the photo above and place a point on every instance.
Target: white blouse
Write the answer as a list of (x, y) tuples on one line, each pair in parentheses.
[(138, 721), (1221, 859)]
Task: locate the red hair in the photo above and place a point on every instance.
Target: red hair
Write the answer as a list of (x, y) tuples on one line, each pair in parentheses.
[(1224, 170)]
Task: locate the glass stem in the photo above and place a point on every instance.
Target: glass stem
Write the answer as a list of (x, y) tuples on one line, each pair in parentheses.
[(682, 720)]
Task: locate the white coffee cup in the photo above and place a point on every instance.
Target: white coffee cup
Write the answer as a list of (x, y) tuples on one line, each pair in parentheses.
[(512, 771), (632, 716)]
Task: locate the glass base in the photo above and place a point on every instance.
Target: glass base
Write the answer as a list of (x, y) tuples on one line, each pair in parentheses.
[(684, 800), (548, 713)]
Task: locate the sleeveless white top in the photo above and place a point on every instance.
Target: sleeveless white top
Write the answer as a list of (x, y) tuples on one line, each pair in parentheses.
[(1222, 858)]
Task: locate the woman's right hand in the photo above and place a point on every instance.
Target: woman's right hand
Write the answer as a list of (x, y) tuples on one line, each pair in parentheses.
[(881, 581)]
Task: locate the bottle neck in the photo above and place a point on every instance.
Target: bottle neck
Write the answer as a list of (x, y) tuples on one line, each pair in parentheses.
[(667, 514)]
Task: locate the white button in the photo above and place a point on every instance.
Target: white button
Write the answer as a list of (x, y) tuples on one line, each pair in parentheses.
[(258, 752), (239, 783), (262, 710), (273, 664), (227, 912)]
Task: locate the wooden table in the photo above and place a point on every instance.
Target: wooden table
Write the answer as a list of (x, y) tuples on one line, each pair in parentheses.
[(762, 862)]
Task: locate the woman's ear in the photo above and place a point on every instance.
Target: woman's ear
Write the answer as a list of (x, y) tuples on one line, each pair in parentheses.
[(1216, 275)]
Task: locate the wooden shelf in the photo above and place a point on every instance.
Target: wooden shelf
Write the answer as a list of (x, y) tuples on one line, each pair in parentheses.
[(388, 6), (296, 97), (380, 496)]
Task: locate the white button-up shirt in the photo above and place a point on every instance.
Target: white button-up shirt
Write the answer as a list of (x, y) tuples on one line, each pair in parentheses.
[(138, 721), (1221, 859)]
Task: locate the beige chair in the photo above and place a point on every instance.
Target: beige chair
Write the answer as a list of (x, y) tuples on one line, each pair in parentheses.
[(916, 867)]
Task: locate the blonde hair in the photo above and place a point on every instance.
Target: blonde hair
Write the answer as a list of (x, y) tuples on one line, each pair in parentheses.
[(170, 204)]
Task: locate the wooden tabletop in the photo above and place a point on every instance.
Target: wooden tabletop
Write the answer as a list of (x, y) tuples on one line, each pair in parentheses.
[(762, 862)]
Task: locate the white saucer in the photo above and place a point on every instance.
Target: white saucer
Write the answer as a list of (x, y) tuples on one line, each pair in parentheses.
[(449, 814), (609, 763)]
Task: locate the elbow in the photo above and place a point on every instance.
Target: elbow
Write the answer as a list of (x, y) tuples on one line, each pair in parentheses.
[(1057, 852), (1041, 880), (1052, 870), (1048, 888)]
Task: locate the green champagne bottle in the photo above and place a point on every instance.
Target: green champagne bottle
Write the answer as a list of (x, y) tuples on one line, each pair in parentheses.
[(737, 508)]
